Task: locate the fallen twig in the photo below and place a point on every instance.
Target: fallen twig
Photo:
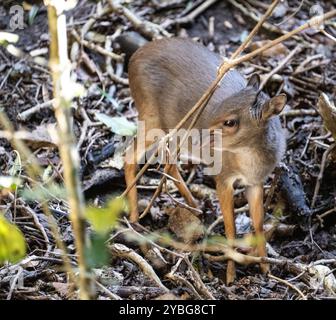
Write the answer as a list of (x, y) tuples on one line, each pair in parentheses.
[(220, 218), (147, 28), (36, 221), (110, 294), (173, 276), (200, 286), (320, 217), (96, 48), (191, 16), (279, 66), (260, 22), (109, 66), (288, 284), (255, 17), (327, 111), (122, 251), (14, 282), (299, 112), (23, 116), (198, 281), (320, 175)]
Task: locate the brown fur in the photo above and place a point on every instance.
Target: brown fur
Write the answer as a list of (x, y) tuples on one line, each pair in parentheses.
[(167, 77)]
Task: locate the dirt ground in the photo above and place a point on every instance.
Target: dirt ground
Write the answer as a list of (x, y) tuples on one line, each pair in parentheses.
[(301, 207)]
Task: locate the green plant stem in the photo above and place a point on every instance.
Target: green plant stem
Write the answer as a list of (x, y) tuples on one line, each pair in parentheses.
[(60, 68)]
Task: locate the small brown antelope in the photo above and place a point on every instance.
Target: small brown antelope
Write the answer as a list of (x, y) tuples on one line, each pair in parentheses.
[(167, 77)]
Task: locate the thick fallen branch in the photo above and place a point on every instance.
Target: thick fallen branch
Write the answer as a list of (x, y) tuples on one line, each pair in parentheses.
[(199, 285), (124, 252), (23, 116), (175, 277), (227, 253)]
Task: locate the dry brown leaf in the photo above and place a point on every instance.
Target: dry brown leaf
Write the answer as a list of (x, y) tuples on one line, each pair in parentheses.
[(40, 137), (277, 50), (185, 225), (322, 275), (62, 288)]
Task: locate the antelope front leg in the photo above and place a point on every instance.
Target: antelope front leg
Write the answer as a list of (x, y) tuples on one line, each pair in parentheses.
[(130, 173), (130, 168), (225, 197), (254, 196)]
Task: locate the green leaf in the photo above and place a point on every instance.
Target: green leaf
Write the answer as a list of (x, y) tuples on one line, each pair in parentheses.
[(97, 254), (118, 125), (278, 212), (104, 219), (12, 242), (53, 191), (11, 183), (106, 95), (32, 14)]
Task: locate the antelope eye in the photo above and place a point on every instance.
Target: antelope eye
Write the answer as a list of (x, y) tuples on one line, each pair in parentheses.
[(230, 123)]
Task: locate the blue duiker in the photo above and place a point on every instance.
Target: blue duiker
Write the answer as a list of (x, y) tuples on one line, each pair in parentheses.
[(167, 77)]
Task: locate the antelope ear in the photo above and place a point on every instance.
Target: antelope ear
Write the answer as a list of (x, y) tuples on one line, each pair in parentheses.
[(254, 81), (274, 106)]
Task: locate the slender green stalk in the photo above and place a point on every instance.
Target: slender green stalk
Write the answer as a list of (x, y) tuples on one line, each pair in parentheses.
[(60, 68)]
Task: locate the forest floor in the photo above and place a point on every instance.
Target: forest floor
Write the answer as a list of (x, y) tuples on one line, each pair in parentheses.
[(301, 226)]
